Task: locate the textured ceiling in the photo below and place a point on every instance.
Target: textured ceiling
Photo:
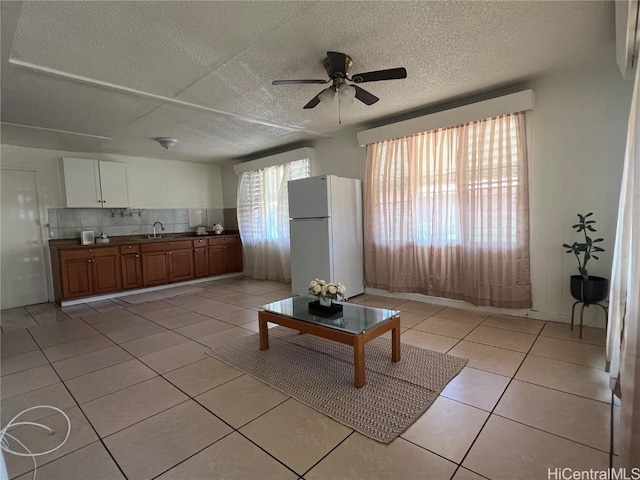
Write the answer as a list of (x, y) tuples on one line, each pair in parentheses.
[(111, 76)]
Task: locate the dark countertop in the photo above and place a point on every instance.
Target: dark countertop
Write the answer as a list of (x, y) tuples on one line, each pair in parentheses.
[(127, 239)]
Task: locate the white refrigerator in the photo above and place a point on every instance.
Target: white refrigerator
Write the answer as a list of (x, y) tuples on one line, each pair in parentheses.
[(326, 232)]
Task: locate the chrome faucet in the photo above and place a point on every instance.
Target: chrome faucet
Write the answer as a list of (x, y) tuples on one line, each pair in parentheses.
[(154, 228)]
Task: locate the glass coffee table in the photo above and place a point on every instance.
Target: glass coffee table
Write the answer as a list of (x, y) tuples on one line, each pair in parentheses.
[(355, 325)]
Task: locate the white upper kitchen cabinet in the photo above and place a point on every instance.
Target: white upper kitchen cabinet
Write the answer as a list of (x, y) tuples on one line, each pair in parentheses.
[(94, 183)]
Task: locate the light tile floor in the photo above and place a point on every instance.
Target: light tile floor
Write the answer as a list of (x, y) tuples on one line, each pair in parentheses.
[(146, 402)]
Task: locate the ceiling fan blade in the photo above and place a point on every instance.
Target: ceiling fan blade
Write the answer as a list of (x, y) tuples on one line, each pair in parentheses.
[(364, 96), (294, 82), (390, 74), (313, 102)]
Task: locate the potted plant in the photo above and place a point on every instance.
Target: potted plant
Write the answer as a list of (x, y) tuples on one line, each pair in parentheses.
[(584, 287)]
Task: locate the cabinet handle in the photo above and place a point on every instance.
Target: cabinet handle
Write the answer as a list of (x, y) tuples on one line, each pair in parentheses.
[(196, 250), (137, 256), (89, 261)]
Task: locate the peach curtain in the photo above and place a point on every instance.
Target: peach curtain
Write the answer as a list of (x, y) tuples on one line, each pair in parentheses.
[(447, 213)]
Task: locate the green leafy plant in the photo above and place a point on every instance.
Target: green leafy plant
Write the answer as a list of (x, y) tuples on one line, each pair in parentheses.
[(584, 251)]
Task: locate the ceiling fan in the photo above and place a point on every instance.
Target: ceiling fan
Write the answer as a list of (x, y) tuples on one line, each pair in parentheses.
[(337, 66)]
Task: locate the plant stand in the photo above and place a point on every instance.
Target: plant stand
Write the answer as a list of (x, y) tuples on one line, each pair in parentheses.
[(584, 304)]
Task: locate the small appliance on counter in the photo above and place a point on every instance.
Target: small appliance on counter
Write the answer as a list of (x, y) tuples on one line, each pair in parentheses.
[(87, 237), (104, 238), (201, 230)]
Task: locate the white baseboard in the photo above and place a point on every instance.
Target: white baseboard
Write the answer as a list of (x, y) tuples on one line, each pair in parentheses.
[(447, 302)]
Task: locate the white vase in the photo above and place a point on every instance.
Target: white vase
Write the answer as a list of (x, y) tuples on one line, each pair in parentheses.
[(325, 301)]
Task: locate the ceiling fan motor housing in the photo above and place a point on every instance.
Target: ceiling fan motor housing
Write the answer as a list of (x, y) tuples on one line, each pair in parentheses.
[(337, 65)]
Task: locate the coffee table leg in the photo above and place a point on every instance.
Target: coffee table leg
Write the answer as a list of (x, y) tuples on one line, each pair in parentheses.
[(395, 343), (358, 362), (264, 332)]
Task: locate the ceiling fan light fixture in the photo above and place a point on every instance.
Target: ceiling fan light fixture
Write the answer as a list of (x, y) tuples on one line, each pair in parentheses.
[(167, 142), (327, 96), (347, 93)]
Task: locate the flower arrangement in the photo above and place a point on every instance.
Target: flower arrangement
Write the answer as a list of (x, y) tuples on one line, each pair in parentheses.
[(217, 228), (327, 291)]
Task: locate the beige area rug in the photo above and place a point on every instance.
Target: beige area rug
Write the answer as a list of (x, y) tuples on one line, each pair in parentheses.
[(319, 373)]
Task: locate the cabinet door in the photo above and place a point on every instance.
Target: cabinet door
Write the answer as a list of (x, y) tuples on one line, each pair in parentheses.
[(155, 268), (131, 266), (201, 262), (106, 274), (77, 279), (216, 260), (113, 184), (181, 265), (233, 258), (82, 182)]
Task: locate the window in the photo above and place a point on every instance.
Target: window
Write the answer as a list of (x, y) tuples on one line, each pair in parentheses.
[(449, 212), (263, 218)]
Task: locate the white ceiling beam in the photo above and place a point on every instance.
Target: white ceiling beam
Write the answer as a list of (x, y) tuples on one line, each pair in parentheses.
[(139, 93)]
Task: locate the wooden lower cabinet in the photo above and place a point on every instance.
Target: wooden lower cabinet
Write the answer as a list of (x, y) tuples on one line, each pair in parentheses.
[(181, 266), (106, 274), (225, 255), (167, 262), (131, 266), (84, 272), (201, 262), (92, 271)]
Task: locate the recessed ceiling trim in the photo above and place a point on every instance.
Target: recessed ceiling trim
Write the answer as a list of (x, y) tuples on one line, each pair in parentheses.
[(56, 130), (139, 93)]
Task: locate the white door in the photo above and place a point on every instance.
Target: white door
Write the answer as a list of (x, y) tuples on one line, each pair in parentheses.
[(22, 269)]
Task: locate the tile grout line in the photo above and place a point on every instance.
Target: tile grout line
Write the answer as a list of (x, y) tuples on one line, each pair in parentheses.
[(494, 407), (85, 417)]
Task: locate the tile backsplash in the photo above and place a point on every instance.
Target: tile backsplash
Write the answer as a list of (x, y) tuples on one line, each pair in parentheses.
[(69, 222)]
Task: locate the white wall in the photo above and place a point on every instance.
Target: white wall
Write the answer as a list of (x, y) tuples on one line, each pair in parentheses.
[(229, 186), (153, 183), (340, 156), (579, 133)]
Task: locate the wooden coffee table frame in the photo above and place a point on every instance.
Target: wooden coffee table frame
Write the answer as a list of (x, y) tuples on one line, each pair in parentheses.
[(357, 340)]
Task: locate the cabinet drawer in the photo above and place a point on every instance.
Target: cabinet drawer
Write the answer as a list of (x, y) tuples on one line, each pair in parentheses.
[(124, 249), (88, 252), (227, 240), (200, 243), (166, 246)]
